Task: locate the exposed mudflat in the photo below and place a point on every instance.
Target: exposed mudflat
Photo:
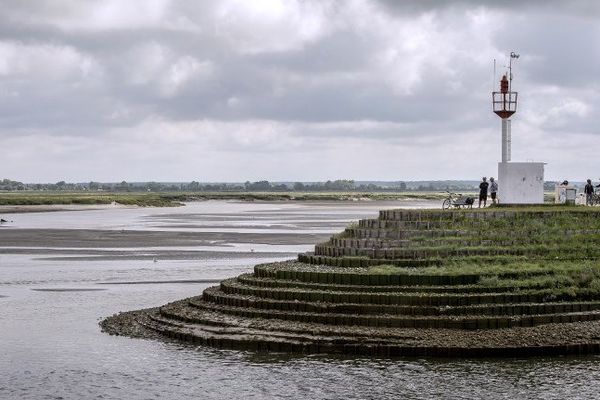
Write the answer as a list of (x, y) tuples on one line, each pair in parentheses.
[(57, 207), (68, 290), (95, 238)]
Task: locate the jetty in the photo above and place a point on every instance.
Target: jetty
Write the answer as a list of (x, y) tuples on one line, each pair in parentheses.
[(499, 281)]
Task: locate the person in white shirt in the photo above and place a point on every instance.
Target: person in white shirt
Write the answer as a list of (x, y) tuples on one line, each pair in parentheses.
[(493, 190)]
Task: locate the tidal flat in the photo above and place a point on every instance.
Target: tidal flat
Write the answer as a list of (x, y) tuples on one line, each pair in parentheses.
[(52, 347)]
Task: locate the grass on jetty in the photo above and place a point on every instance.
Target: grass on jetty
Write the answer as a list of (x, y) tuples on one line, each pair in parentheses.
[(554, 278)]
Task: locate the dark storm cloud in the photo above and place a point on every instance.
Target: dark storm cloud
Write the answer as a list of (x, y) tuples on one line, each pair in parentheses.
[(586, 8)]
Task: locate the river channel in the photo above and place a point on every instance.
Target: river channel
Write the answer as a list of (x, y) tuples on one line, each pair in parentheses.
[(62, 272)]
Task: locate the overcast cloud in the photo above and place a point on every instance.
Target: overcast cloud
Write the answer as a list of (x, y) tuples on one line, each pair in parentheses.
[(236, 90)]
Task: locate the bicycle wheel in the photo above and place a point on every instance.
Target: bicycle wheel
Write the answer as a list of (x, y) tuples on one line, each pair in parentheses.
[(446, 204)]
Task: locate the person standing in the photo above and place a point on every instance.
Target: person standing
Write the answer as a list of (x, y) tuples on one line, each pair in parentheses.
[(483, 190), (493, 189), (589, 192)]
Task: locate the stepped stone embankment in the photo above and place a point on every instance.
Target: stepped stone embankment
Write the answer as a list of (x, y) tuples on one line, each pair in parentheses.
[(492, 282)]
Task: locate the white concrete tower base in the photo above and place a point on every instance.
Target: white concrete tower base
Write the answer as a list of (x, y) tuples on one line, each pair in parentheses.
[(520, 182)]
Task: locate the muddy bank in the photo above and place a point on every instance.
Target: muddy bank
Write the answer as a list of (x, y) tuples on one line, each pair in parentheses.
[(20, 209), (91, 238)]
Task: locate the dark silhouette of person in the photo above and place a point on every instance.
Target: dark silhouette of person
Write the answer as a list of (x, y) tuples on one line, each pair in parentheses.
[(589, 192), (483, 190)]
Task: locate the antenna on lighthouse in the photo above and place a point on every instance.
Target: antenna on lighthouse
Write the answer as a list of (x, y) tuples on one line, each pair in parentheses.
[(494, 76), (515, 56)]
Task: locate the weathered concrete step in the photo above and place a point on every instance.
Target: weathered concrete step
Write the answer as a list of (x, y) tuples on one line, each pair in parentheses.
[(205, 322), (516, 239), (305, 300), (362, 276), (484, 214), (368, 303), (174, 316), (275, 334), (416, 253), (251, 280), (392, 321), (364, 262), (402, 225), (376, 347), (396, 277), (367, 233), (236, 339), (538, 251), (182, 311), (459, 232), (475, 224), (405, 243)]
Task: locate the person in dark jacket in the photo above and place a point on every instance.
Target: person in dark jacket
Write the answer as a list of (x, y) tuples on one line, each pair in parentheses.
[(589, 192), (483, 190)]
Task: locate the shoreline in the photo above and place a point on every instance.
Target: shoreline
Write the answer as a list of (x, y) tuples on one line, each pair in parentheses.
[(38, 208), (13, 202)]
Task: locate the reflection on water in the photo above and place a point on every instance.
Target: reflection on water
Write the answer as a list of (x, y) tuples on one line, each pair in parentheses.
[(51, 346)]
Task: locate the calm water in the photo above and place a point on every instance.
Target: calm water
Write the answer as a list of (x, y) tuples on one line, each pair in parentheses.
[(51, 346)]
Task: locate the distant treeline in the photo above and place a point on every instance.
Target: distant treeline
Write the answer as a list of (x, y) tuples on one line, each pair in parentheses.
[(340, 185)]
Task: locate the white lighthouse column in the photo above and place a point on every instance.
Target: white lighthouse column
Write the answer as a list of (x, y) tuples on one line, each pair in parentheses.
[(508, 140), (505, 140)]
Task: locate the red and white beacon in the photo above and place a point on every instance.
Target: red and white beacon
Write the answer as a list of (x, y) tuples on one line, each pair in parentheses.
[(518, 182), (504, 103)]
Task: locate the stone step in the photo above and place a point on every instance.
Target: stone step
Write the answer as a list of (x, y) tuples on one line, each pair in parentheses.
[(514, 239), (241, 306), (391, 303), (484, 214), (543, 251), (251, 280), (361, 276), (485, 232), (296, 271), (236, 339), (324, 300), (367, 233), (400, 225), (364, 262), (386, 342)]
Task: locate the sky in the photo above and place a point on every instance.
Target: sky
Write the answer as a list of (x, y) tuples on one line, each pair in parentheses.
[(236, 90)]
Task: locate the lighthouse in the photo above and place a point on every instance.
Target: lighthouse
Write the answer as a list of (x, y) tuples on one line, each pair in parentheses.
[(518, 182), (505, 105)]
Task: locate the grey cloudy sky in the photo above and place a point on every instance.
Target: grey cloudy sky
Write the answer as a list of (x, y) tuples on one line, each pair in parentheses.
[(236, 90)]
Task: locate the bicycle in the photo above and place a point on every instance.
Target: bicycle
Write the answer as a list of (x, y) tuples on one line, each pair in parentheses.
[(457, 200)]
